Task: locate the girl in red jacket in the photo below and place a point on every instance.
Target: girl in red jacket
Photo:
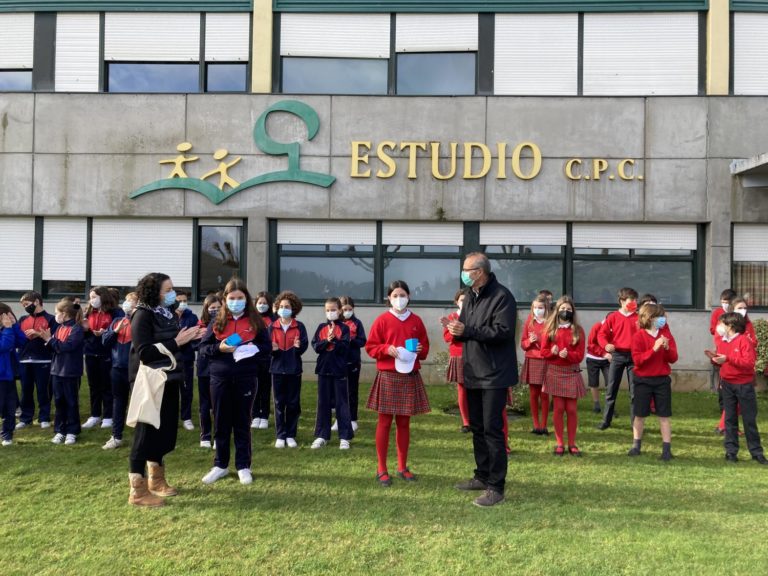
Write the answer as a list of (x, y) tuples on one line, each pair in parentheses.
[(455, 371), (534, 366), (398, 391), (563, 349), (653, 351)]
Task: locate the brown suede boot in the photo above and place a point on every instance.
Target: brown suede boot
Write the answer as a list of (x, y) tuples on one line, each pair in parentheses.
[(157, 484), (140, 496)]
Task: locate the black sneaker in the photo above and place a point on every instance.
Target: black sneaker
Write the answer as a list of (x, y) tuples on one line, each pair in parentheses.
[(536, 431), (544, 432), (633, 452), (760, 459), (465, 429), (490, 498), (603, 426), (666, 456), (597, 409), (472, 484), (384, 479), (731, 458)]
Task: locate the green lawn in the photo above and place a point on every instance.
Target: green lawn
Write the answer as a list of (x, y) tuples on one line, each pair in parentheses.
[(321, 512)]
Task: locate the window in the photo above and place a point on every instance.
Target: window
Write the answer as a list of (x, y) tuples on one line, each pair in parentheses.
[(750, 263), (527, 269), (439, 74), (319, 271), (152, 77), (431, 272), (15, 80), (226, 77), (334, 76), (16, 51), (65, 245), (17, 245), (219, 258)]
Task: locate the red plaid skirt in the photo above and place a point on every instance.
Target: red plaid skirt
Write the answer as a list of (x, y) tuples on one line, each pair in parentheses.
[(455, 372), (564, 381), (534, 371), (400, 394)]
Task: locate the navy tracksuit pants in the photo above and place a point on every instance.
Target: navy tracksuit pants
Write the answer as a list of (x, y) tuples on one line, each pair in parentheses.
[(35, 377), (335, 387), (66, 397), (232, 403), (98, 368), (287, 393), (204, 395), (120, 390), (8, 404)]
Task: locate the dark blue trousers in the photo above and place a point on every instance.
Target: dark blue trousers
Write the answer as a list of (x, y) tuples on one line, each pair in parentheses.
[(287, 393), (204, 394), (98, 370), (232, 402), (336, 385), (353, 383), (263, 393), (187, 390), (66, 398), (35, 377), (120, 390), (8, 404)]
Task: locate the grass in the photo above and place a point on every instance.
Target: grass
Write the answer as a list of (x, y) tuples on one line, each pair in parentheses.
[(321, 512)]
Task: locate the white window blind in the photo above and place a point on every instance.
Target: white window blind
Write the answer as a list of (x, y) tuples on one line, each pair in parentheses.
[(320, 232), (152, 36), (335, 35), (750, 53), (227, 37), (17, 36), (77, 52), (522, 234), (436, 32), (65, 242), (750, 243), (17, 246), (125, 250), (422, 234), (638, 54), (536, 54), (641, 236)]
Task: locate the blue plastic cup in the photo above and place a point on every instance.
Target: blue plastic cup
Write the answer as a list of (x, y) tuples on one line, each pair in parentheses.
[(412, 344)]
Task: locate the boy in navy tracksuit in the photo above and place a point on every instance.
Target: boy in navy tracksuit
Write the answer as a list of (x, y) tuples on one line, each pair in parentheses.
[(35, 362), (11, 336), (187, 319), (331, 342)]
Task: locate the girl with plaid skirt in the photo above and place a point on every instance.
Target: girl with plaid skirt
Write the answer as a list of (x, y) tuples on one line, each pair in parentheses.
[(534, 366), (563, 349), (455, 371), (398, 391)]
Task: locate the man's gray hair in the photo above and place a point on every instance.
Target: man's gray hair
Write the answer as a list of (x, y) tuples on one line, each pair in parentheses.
[(482, 261)]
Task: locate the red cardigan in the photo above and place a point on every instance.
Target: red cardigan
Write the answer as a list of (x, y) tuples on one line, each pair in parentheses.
[(387, 330), (650, 363), (739, 366), (532, 349), (563, 339), (593, 346), (715, 316), (618, 330), (455, 347)]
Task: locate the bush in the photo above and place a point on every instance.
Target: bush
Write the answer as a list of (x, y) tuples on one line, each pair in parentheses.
[(761, 331)]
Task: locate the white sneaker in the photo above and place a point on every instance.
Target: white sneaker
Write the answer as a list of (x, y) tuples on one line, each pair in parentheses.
[(70, 439), (58, 439), (291, 442), (216, 473), (255, 422), (18, 412), (188, 425), (245, 476), (279, 443), (21, 425), (205, 444), (344, 445), (264, 424), (91, 422), (7, 442), (318, 443), (112, 443), (45, 425), (354, 426), (335, 427), (106, 423)]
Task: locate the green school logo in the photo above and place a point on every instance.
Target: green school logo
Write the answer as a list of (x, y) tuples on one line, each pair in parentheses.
[(178, 177)]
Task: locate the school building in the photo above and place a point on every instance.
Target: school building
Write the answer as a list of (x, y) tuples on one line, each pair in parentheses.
[(330, 147)]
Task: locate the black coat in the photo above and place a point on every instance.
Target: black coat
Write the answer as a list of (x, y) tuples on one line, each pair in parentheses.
[(147, 328), (490, 351)]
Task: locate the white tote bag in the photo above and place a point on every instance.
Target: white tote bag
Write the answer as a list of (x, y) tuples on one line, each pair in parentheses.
[(147, 395)]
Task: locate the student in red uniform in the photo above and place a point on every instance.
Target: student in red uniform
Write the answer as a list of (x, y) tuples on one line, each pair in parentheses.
[(263, 399), (357, 341), (615, 337), (598, 362), (35, 362), (398, 391), (118, 340), (66, 369), (534, 366), (11, 337), (725, 306), (653, 352), (331, 343), (232, 343), (289, 342), (563, 349), (211, 307), (455, 371), (736, 357), (738, 305)]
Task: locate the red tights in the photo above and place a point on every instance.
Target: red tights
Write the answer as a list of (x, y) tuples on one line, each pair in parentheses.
[(567, 406), (402, 439), (539, 405), (463, 405)]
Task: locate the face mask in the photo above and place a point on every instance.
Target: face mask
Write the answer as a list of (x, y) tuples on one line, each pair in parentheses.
[(284, 312), (661, 321), (183, 306), (725, 307), (127, 306), (332, 316), (213, 312), (565, 315), (59, 318), (96, 302), (631, 306), (348, 314), (236, 306), (262, 308), (30, 309), (538, 312), (466, 279), (721, 331), (742, 311), (169, 299), (400, 303)]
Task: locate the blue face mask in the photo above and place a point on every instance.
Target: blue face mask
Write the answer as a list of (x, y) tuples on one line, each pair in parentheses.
[(661, 321), (466, 280), (284, 312), (236, 306), (169, 299)]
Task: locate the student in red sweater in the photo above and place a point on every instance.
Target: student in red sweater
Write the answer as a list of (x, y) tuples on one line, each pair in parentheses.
[(398, 391), (563, 349), (725, 306), (598, 361), (534, 366), (653, 352), (615, 337), (455, 371), (736, 357)]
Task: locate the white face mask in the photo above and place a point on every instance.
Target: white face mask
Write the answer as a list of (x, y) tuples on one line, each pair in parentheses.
[(400, 303), (742, 311), (59, 318), (348, 314), (262, 308), (538, 312), (332, 316), (96, 302), (183, 306), (721, 331), (725, 307), (127, 306)]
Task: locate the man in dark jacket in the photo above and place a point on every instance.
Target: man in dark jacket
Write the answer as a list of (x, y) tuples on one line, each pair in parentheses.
[(486, 326)]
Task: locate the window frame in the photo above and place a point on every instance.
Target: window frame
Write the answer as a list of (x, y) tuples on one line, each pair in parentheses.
[(281, 75)]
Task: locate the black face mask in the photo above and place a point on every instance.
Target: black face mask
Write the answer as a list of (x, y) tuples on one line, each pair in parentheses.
[(565, 315), (30, 309)]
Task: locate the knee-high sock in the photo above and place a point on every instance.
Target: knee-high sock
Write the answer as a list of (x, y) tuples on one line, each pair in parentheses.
[(534, 394), (403, 440), (463, 405), (571, 409), (557, 418), (382, 440)]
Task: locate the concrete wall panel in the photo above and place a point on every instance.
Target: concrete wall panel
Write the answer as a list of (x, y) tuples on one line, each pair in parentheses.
[(16, 120), (737, 127), (676, 190), (676, 128), (16, 184)]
